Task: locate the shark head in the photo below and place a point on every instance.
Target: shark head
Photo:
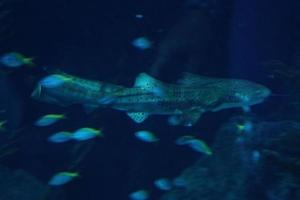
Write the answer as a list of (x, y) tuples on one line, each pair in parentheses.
[(243, 93), (246, 93), (249, 93)]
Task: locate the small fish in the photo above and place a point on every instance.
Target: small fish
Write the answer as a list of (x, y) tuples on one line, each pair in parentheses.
[(139, 16), (86, 134), (62, 178), (184, 140), (142, 43), (146, 136), (200, 146), (49, 119), (60, 137), (53, 81), (255, 157), (2, 123), (139, 195), (180, 182), (15, 60), (245, 127), (163, 184)]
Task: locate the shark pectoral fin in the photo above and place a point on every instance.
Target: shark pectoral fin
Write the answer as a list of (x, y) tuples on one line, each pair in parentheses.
[(138, 117), (191, 117), (150, 84), (246, 109), (188, 118)]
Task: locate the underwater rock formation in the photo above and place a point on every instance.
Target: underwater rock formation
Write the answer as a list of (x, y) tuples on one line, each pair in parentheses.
[(259, 163), (19, 185)]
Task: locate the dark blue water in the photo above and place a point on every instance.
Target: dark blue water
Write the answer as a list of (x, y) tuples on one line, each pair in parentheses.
[(92, 39)]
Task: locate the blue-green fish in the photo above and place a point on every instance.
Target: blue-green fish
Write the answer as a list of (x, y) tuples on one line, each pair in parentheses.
[(245, 127), (139, 195), (184, 140), (60, 137), (49, 119), (196, 144), (163, 184), (15, 60), (54, 81), (62, 178), (142, 43), (146, 136), (200, 146), (86, 134)]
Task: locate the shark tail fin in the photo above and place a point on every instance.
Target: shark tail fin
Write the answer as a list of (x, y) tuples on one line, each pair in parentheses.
[(150, 84)]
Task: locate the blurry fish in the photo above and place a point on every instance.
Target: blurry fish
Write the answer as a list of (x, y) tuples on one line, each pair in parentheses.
[(2, 123), (146, 136), (53, 81), (246, 127), (139, 195), (60, 137), (139, 16), (184, 140), (142, 43), (62, 178), (200, 146), (15, 60), (49, 119), (255, 157), (180, 182), (163, 184), (86, 134)]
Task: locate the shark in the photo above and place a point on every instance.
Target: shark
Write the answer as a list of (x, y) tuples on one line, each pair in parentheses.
[(184, 102)]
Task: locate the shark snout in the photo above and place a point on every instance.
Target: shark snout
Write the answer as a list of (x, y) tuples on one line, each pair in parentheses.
[(264, 93)]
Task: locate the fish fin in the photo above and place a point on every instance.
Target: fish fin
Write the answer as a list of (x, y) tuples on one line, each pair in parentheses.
[(138, 117), (29, 62), (246, 109), (150, 84), (188, 118), (37, 92), (189, 79)]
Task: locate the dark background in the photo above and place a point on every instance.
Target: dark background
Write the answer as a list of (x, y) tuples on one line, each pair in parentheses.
[(92, 39)]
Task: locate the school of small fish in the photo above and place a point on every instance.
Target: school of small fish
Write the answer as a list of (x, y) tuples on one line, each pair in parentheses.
[(15, 60)]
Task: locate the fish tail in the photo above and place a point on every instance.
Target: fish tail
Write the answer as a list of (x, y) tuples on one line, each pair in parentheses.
[(29, 62)]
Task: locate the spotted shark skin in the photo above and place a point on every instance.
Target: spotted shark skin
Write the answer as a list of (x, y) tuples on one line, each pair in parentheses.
[(184, 101)]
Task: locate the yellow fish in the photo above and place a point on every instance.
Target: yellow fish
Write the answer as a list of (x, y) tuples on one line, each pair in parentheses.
[(49, 119), (62, 178)]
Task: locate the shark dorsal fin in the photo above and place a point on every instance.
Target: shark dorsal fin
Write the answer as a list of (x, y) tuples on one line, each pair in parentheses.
[(150, 84), (189, 79), (138, 117)]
